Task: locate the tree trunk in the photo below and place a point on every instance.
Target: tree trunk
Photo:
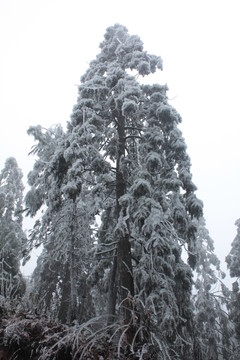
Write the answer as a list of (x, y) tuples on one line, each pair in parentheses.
[(73, 282), (112, 292), (122, 266), (126, 286)]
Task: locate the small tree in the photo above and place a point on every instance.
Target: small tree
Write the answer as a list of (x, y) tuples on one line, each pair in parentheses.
[(63, 229), (214, 331), (233, 264), (12, 237)]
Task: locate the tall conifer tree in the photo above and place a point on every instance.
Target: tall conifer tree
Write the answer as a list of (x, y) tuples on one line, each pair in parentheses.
[(126, 135), (123, 172)]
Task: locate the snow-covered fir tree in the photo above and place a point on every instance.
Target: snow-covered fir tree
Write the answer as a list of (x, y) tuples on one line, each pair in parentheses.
[(143, 191), (12, 237), (118, 210)]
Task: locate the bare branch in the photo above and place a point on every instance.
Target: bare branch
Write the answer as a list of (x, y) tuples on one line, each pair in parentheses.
[(133, 137), (105, 251), (132, 128)]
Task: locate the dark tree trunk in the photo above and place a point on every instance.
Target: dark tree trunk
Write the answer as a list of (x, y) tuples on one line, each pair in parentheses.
[(122, 266)]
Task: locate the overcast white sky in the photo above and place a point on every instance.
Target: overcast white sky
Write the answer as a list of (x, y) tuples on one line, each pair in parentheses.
[(45, 46)]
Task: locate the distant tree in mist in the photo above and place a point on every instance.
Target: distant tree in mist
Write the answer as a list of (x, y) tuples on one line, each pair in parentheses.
[(12, 238), (233, 264)]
